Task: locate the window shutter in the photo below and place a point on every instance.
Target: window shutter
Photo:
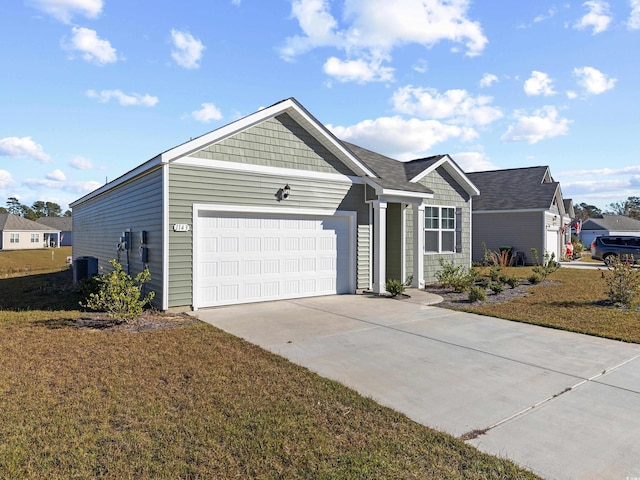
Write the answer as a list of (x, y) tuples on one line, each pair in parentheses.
[(458, 230)]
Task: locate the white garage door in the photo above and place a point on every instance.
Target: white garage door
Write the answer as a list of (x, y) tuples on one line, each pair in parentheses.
[(252, 258), (552, 244)]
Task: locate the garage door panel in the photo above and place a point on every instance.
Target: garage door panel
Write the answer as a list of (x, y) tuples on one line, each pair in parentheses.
[(259, 257)]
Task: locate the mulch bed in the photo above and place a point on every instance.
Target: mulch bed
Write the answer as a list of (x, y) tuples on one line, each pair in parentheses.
[(455, 300), (149, 320)]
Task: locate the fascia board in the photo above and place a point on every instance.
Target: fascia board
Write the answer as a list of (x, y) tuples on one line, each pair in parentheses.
[(130, 175), (387, 192), (455, 172)]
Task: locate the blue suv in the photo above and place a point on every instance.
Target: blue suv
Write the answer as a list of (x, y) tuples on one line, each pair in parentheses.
[(609, 247)]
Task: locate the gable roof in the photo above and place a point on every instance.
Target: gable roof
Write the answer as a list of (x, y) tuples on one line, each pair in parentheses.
[(390, 173), (386, 175), (612, 223), (568, 207), (515, 189), (14, 223), (59, 223)]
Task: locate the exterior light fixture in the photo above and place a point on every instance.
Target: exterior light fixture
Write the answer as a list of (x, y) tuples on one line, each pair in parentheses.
[(283, 193)]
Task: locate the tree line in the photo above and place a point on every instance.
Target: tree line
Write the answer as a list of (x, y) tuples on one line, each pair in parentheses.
[(629, 208), (38, 210)]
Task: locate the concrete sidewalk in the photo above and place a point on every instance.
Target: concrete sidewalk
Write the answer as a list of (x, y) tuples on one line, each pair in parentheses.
[(561, 404)]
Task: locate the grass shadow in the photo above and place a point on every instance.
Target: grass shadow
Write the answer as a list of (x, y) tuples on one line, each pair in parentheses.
[(44, 291)]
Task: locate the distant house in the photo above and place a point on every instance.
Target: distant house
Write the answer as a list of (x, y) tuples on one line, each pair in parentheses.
[(608, 225), (17, 233), (521, 208), (64, 224)]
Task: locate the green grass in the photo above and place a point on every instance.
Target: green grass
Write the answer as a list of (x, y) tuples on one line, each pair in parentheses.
[(190, 402), (576, 301), (19, 262)]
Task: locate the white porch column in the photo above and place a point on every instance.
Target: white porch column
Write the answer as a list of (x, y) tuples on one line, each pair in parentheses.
[(418, 246), (379, 245)]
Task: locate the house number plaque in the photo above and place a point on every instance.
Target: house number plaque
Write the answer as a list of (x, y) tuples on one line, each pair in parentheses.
[(181, 227)]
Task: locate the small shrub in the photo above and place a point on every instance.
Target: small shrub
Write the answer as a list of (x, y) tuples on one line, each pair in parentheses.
[(496, 287), (394, 287), (578, 246), (510, 280), (494, 273), (623, 283), (548, 266), (119, 295), (459, 278), (483, 282), (477, 294), (534, 279)]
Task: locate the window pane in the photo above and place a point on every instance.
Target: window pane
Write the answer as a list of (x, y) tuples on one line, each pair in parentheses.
[(431, 216), (448, 244), (430, 241), (448, 218)]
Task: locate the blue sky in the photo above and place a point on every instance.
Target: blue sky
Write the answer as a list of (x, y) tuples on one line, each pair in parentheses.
[(92, 88)]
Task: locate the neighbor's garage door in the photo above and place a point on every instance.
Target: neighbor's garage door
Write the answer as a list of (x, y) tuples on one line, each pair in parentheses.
[(252, 258)]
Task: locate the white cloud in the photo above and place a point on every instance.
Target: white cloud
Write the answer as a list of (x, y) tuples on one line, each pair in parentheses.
[(6, 180), (72, 187), (543, 124), (81, 163), (187, 50), (550, 13), (571, 95), (359, 71), (57, 175), (473, 161), (93, 48), (539, 84), (401, 138), (23, 147), (65, 10), (487, 80), (597, 18), (593, 81), (373, 28), (124, 99), (634, 18), (456, 105), (207, 113)]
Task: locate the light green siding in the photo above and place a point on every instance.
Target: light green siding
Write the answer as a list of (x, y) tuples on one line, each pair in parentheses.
[(277, 142), (190, 185), (99, 222), (447, 193)]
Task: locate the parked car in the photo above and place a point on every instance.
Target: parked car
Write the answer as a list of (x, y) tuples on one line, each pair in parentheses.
[(608, 248)]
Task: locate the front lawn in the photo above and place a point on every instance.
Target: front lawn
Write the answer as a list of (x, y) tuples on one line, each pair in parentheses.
[(190, 402), (575, 300)]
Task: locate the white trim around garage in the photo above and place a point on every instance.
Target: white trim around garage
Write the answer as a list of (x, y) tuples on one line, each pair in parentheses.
[(198, 209)]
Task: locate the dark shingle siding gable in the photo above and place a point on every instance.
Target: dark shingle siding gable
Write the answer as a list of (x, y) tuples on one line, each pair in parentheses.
[(513, 189)]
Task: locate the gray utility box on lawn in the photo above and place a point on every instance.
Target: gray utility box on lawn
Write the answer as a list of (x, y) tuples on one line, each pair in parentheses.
[(84, 267)]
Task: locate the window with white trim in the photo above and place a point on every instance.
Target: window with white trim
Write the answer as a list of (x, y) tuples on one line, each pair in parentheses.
[(35, 237), (14, 238), (439, 230)]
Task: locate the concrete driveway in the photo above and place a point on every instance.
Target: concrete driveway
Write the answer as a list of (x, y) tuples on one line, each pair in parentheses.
[(561, 404)]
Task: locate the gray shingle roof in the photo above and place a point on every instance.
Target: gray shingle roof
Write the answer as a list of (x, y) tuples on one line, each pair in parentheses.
[(392, 174), (612, 223), (12, 222), (513, 189), (59, 223)]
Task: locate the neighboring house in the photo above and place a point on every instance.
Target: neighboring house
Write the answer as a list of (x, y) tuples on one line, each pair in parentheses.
[(18, 233), (64, 224), (274, 206), (520, 208), (608, 225)]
